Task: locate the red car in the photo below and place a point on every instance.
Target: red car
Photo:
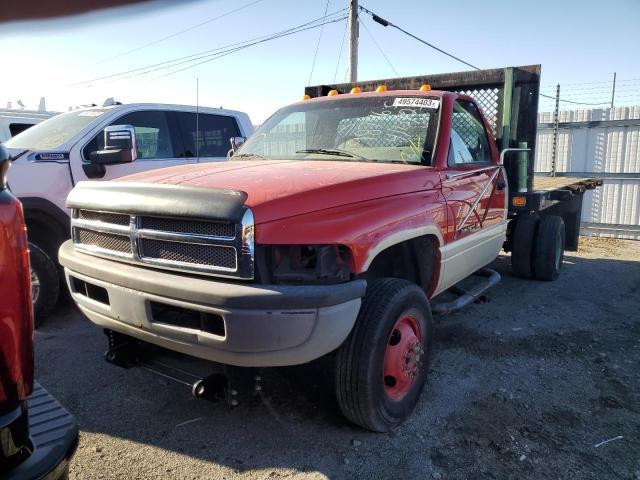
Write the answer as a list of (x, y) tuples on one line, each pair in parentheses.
[(37, 435)]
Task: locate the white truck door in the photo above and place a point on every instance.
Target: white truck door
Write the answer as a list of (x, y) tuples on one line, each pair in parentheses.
[(159, 145)]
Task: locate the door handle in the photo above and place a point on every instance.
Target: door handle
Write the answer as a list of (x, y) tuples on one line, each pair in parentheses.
[(501, 184)]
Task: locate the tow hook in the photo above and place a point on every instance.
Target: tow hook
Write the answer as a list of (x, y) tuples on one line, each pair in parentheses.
[(122, 350), (235, 385)]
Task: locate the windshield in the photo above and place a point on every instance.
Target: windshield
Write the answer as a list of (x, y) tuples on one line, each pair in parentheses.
[(396, 129), (52, 133)]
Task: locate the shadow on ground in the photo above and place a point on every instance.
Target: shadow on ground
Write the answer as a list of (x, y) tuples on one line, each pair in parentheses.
[(522, 386)]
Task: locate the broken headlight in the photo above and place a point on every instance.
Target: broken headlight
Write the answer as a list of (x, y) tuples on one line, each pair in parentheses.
[(310, 263)]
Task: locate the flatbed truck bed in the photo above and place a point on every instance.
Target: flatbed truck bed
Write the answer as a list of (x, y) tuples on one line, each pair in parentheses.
[(548, 183), (560, 196)]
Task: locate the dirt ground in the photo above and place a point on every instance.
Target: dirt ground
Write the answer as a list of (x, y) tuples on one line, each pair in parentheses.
[(527, 385)]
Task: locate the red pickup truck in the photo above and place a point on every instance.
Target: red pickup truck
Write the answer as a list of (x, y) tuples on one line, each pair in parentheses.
[(330, 231), (37, 435)]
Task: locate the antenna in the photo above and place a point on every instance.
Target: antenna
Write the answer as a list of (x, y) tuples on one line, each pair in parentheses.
[(197, 120)]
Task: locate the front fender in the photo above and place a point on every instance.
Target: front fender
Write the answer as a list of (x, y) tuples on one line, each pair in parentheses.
[(366, 228)]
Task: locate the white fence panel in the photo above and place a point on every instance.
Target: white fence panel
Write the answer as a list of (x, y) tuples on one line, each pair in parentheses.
[(599, 142)]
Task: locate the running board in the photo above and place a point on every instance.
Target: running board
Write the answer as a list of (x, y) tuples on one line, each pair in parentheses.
[(465, 297)]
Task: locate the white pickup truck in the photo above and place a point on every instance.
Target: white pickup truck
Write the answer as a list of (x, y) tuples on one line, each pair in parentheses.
[(53, 156)]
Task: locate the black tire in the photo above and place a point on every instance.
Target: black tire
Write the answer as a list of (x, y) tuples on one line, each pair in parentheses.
[(548, 251), (47, 289), (524, 236), (360, 389)]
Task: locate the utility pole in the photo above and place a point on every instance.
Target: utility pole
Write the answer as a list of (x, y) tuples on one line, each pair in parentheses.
[(613, 90), (353, 41)]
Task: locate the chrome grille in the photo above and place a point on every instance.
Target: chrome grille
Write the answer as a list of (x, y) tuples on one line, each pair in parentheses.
[(104, 241), (194, 253), (195, 227), (104, 217), (202, 246)]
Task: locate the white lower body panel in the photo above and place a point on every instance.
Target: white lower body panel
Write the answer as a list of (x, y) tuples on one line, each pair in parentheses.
[(462, 257)]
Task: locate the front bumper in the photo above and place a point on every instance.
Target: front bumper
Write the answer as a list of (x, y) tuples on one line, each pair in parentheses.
[(54, 438), (264, 325)]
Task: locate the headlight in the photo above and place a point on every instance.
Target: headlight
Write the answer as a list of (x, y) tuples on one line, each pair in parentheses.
[(310, 263)]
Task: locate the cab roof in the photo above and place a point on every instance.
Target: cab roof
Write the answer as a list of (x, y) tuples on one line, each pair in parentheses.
[(386, 93)]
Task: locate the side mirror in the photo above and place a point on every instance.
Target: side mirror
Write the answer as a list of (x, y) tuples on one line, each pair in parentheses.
[(236, 142), (120, 146), (517, 170)]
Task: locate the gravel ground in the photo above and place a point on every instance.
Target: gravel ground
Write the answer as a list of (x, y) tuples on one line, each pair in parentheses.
[(523, 386)]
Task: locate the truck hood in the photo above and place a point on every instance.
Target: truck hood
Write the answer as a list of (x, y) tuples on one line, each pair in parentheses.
[(278, 189)]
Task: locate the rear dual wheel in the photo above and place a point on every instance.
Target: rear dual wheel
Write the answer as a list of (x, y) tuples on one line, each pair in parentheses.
[(548, 251), (538, 247), (382, 366)]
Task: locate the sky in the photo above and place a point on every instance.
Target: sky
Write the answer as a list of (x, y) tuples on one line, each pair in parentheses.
[(580, 44)]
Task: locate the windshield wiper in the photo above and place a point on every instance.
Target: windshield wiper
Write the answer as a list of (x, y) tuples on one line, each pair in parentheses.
[(331, 151), (13, 159), (246, 155)]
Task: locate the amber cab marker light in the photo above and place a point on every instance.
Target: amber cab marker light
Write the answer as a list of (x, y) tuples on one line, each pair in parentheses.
[(356, 90), (381, 88), (425, 88), (519, 201), (332, 93), (306, 97)]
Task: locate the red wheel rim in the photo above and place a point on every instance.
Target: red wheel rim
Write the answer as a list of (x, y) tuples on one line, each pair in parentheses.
[(402, 357)]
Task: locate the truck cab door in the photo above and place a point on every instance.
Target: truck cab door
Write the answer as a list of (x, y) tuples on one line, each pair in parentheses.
[(474, 189), (474, 184), (159, 145)]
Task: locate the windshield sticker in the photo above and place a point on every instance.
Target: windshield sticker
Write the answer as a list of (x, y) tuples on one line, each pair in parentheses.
[(416, 102), (90, 113)]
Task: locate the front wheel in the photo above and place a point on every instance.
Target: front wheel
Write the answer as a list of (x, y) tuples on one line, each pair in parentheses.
[(45, 285), (382, 366)]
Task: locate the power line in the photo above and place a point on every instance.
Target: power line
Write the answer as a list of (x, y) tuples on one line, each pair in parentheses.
[(366, 29), (570, 101), (252, 44), (386, 23), (315, 55), (594, 83), (598, 91), (208, 53), (180, 32), (212, 52), (344, 36)]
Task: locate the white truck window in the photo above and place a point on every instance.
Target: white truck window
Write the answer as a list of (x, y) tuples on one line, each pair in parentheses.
[(211, 132), (16, 128), (152, 134), (52, 133)]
